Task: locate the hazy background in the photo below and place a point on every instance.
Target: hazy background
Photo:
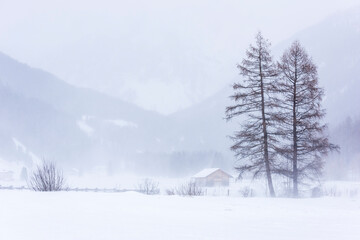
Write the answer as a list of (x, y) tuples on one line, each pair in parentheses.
[(160, 55), (141, 86)]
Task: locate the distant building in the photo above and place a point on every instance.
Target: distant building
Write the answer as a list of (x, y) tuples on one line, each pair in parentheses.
[(212, 177)]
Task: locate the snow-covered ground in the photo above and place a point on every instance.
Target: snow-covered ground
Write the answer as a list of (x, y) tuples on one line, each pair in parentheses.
[(89, 215), (237, 188)]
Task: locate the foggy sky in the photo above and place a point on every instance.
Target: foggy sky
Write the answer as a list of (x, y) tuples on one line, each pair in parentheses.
[(162, 56)]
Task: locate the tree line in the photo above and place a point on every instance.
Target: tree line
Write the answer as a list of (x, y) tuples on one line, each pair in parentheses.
[(278, 104)]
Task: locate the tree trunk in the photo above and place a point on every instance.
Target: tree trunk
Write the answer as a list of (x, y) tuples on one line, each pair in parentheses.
[(266, 149), (295, 168)]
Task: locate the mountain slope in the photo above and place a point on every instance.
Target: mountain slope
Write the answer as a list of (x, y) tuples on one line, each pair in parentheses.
[(334, 46), (69, 124)]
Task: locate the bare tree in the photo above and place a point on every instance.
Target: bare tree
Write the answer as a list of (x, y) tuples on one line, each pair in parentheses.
[(254, 142), (299, 117), (149, 186), (47, 177), (189, 188)]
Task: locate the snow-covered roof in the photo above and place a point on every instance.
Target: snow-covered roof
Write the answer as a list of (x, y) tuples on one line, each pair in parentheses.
[(206, 172)]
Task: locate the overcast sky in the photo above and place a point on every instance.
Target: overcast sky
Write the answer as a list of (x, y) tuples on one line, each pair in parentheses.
[(161, 55)]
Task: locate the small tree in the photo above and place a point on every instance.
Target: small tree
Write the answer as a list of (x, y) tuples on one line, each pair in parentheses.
[(149, 187), (299, 117), (189, 188), (254, 143), (46, 178)]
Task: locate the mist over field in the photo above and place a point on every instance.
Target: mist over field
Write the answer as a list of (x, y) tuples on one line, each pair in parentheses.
[(120, 95), (85, 128)]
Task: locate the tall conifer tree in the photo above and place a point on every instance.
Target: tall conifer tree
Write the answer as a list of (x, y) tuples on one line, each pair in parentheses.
[(254, 143), (304, 142)]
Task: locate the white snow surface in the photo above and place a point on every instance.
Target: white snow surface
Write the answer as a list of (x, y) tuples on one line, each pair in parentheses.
[(19, 145), (22, 148), (122, 123), (85, 127), (130, 215)]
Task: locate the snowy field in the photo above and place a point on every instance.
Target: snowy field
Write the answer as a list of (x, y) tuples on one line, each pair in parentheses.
[(130, 215)]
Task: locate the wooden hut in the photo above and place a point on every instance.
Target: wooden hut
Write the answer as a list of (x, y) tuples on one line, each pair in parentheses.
[(212, 177)]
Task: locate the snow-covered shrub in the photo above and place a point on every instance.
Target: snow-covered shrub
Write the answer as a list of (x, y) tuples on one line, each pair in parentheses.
[(189, 189), (285, 192), (148, 186), (46, 178), (317, 192), (341, 189), (246, 192), (332, 192), (170, 191)]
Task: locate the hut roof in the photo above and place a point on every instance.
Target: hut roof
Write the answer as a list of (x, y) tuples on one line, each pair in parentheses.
[(207, 171)]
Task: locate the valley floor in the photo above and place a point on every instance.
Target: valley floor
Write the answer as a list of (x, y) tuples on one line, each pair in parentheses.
[(95, 215)]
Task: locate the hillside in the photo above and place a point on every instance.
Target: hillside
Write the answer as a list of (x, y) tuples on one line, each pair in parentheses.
[(58, 121), (44, 117)]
